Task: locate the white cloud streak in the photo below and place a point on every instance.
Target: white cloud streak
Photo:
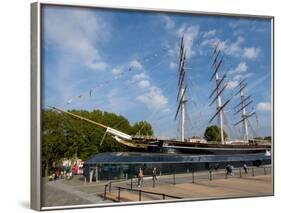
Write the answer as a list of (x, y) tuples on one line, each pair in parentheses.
[(229, 48), (143, 84), (232, 84), (136, 65), (209, 33), (75, 34), (242, 76), (172, 65), (190, 34), (251, 53), (154, 98), (169, 23), (116, 71), (241, 68), (140, 76), (151, 95), (234, 49), (264, 106)]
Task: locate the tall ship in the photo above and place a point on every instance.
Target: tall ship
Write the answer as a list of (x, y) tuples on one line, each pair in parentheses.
[(182, 145)]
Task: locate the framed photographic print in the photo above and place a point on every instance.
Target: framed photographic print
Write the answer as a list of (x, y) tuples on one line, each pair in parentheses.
[(141, 106)]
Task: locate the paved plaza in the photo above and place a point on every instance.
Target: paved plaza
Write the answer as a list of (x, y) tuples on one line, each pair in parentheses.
[(220, 188), (197, 186)]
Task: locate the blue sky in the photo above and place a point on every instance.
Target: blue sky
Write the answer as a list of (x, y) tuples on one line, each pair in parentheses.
[(127, 61)]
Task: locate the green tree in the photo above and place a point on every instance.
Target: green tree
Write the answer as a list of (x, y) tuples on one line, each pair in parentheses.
[(53, 139), (213, 133), (258, 138), (268, 138), (142, 128), (67, 137)]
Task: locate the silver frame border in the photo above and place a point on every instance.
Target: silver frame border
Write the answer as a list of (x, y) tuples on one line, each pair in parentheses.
[(36, 91), (35, 193)]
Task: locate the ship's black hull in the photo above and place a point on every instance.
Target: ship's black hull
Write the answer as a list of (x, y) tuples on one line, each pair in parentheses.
[(207, 150)]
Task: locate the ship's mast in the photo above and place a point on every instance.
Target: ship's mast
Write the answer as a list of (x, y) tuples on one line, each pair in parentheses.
[(244, 114), (219, 104), (220, 87), (181, 97), (241, 107)]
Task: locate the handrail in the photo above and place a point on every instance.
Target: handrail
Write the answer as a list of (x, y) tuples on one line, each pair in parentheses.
[(149, 192), (108, 186)]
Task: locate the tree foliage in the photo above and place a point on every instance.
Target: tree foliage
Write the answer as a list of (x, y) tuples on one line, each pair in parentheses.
[(66, 137), (142, 128), (258, 138), (213, 133), (268, 138)]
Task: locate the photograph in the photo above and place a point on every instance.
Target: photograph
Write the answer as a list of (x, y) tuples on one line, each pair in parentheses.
[(147, 106)]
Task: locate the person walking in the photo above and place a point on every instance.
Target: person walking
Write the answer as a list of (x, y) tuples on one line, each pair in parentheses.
[(245, 167), (91, 175), (140, 178), (228, 169), (154, 174), (57, 174)]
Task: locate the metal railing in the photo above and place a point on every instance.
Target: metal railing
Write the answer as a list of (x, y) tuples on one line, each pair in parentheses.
[(210, 175), (139, 192), (176, 178)]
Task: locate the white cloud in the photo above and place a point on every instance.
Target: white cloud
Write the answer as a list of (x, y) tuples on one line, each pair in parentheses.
[(212, 42), (169, 23), (236, 23), (232, 84), (181, 30), (264, 106), (143, 84), (251, 53), (240, 76), (136, 64), (116, 71), (151, 95), (140, 76), (234, 49), (75, 33), (241, 68), (172, 65), (238, 32), (229, 48), (154, 99), (240, 72), (190, 35), (209, 33), (172, 52)]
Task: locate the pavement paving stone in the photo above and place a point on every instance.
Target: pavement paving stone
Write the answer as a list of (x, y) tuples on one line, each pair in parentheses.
[(77, 192)]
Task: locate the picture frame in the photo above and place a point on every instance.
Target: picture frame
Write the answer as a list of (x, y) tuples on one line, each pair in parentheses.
[(39, 59)]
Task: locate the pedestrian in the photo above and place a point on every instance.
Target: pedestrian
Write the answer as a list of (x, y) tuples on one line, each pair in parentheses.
[(245, 167), (57, 174), (217, 166), (91, 175), (228, 169), (140, 178), (154, 174), (231, 170)]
